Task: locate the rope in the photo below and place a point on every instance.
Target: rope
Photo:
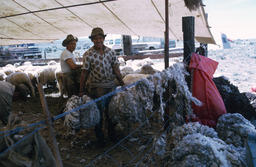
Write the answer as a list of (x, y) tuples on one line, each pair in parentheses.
[(19, 129)]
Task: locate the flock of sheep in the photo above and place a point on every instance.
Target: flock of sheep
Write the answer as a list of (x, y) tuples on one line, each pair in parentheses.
[(27, 76)]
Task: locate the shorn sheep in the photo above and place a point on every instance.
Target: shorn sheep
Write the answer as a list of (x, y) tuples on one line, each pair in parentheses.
[(18, 78)]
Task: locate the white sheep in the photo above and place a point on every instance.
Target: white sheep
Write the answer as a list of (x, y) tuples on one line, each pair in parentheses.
[(8, 69), (52, 62), (18, 78), (2, 75), (131, 78), (59, 78), (47, 75), (121, 61), (147, 69), (126, 70)]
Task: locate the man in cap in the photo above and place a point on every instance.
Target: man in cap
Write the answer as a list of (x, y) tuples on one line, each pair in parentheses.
[(99, 71), (69, 67)]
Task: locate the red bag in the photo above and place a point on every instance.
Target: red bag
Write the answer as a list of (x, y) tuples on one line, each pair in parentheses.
[(204, 89)]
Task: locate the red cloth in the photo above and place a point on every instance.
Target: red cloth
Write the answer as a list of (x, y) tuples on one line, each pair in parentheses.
[(204, 89)]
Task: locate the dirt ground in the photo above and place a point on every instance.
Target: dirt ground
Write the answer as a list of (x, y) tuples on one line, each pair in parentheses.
[(80, 149)]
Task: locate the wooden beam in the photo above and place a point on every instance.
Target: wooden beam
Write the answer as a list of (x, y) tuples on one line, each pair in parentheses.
[(188, 29), (166, 46), (50, 127)]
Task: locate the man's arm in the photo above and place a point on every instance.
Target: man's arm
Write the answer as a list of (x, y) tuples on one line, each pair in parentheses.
[(117, 72), (83, 79), (72, 65)]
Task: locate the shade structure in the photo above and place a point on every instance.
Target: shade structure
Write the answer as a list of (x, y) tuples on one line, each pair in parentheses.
[(32, 21)]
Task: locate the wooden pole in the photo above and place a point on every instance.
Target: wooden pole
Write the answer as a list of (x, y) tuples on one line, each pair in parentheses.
[(166, 46), (188, 28), (50, 128), (127, 45)]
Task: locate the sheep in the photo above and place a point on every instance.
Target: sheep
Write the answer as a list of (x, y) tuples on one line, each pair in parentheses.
[(9, 69), (2, 75), (27, 66), (18, 78), (59, 78), (33, 75), (47, 75), (131, 78), (121, 61), (126, 70), (147, 69), (52, 62)]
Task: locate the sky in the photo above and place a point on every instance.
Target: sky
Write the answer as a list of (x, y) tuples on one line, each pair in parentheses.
[(235, 18)]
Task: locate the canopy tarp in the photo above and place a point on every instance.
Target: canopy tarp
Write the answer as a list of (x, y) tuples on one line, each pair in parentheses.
[(32, 21)]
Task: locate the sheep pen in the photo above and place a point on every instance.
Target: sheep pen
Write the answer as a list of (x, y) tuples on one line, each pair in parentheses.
[(78, 148)]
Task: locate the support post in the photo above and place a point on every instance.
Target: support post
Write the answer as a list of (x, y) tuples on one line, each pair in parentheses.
[(127, 45), (166, 46), (50, 128), (188, 29)]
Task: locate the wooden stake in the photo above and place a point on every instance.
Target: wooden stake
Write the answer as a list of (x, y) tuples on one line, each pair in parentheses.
[(166, 46), (50, 128)]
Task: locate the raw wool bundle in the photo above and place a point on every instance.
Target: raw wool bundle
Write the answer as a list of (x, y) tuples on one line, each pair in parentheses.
[(72, 120), (132, 106), (85, 118), (234, 129), (90, 115), (129, 106), (252, 99), (235, 102), (181, 97), (191, 128), (199, 150), (192, 4)]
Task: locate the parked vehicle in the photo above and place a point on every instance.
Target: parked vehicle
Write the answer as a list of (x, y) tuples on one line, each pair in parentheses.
[(114, 42)]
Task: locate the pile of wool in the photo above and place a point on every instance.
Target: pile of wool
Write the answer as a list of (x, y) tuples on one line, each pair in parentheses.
[(86, 117), (172, 81), (194, 144), (133, 105), (252, 99), (235, 102), (191, 128), (234, 129), (199, 150), (136, 104)]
